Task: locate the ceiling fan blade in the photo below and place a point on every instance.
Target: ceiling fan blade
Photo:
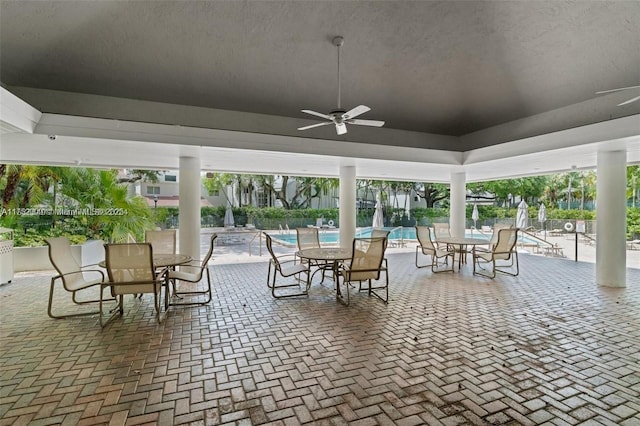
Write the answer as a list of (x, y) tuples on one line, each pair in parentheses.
[(315, 125), (360, 109), (341, 128), (317, 114), (374, 123), (629, 101), (616, 90)]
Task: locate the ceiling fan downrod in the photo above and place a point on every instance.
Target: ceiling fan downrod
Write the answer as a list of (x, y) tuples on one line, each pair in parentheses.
[(338, 41)]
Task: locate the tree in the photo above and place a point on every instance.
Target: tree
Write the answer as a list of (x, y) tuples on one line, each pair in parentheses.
[(134, 175), (431, 193), (551, 192), (633, 185), (24, 185), (100, 191), (218, 182)]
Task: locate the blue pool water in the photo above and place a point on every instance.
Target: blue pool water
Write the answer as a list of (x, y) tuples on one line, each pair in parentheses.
[(334, 236)]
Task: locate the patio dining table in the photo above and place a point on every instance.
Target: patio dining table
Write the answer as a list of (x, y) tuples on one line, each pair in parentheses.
[(328, 258), (462, 243)]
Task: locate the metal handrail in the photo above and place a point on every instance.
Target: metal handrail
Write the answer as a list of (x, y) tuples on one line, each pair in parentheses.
[(536, 238), (258, 234), (401, 228)]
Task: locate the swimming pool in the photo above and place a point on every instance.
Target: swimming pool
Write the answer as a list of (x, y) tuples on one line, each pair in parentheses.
[(328, 237), (408, 233)]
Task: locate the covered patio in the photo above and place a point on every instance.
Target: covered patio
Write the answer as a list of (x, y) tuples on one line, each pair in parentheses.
[(469, 91), (548, 345)]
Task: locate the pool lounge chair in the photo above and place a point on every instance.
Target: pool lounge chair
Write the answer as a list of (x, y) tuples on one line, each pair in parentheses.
[(633, 245)]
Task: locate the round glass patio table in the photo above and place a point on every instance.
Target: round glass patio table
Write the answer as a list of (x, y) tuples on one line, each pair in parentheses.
[(327, 258), (462, 244)]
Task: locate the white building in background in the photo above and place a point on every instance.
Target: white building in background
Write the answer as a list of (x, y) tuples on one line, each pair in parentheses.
[(165, 193)]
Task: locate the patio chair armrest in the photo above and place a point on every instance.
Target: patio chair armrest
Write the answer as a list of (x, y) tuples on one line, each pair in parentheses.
[(293, 257), (480, 249), (91, 265), (82, 271), (194, 263)]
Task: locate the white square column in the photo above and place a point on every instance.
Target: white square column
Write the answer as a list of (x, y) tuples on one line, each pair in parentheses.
[(457, 204), (347, 209), (189, 208), (611, 219)]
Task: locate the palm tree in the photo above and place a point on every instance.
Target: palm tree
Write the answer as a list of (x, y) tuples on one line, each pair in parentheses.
[(24, 185), (100, 192)]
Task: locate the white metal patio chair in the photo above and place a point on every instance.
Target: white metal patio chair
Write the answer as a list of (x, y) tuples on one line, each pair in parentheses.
[(427, 247), (162, 241), (502, 255), (366, 265), (193, 277), (310, 238), (286, 269), (131, 271), (72, 275)]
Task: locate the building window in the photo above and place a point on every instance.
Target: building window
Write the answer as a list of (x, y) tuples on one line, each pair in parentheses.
[(153, 190), (262, 199), (170, 178)]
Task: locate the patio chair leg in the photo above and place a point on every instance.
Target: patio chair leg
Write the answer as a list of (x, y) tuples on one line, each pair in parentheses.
[(339, 295), (373, 290), (206, 292), (73, 298), (298, 279)]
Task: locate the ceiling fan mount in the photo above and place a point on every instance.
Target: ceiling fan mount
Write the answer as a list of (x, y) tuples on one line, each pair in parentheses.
[(340, 117)]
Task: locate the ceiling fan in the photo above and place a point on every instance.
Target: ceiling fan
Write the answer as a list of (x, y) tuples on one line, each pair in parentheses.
[(339, 117), (619, 90)]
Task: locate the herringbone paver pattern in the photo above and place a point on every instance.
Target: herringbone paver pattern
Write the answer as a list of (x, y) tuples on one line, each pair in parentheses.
[(546, 347)]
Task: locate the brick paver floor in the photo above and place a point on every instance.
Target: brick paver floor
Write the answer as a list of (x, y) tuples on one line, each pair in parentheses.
[(549, 346)]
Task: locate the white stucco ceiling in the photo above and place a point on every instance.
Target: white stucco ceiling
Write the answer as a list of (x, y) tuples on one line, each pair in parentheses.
[(494, 89)]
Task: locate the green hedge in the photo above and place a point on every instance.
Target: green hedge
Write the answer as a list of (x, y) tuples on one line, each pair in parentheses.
[(32, 231)]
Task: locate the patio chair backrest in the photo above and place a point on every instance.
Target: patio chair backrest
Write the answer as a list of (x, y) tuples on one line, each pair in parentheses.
[(379, 233), (441, 230), (63, 261), (496, 230), (368, 254), (163, 242), (423, 233), (205, 259), (269, 244), (130, 264), (307, 238), (207, 256), (507, 238)]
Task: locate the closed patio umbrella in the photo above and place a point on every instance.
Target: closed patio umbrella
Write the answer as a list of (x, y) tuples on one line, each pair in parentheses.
[(542, 218), (378, 218), (522, 215), (475, 215), (228, 217)]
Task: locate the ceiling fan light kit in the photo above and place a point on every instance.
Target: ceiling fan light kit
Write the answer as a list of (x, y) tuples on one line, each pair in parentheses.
[(339, 117)]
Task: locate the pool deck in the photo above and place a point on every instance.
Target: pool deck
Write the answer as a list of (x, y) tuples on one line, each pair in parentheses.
[(546, 347), (565, 249)]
